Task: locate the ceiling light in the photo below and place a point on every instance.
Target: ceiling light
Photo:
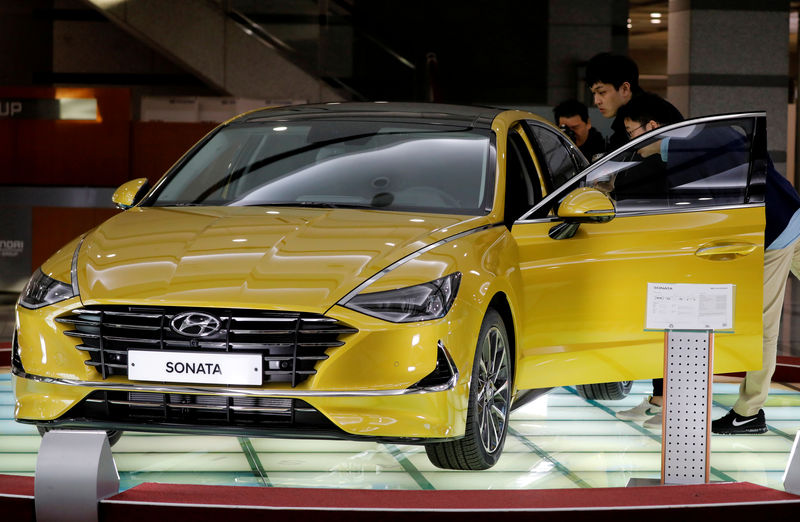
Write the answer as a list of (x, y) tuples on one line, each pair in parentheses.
[(655, 15), (655, 20)]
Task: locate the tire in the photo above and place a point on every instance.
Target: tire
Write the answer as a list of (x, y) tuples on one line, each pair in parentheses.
[(489, 404), (605, 391), (113, 435)]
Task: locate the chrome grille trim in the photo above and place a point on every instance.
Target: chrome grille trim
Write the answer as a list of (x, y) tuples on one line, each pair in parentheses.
[(290, 343), (235, 391), (108, 365)]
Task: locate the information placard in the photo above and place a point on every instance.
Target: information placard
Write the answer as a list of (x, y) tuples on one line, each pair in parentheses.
[(684, 306)]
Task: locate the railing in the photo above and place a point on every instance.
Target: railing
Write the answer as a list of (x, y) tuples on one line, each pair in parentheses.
[(324, 39)]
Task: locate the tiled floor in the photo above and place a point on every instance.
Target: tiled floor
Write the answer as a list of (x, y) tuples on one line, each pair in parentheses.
[(558, 441)]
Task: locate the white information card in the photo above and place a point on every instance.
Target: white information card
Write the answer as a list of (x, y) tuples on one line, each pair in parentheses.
[(682, 306)]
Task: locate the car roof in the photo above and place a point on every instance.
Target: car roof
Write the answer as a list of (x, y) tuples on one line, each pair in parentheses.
[(430, 113)]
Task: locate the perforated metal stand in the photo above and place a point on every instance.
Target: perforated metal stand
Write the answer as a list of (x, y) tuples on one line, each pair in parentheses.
[(74, 470), (688, 360)]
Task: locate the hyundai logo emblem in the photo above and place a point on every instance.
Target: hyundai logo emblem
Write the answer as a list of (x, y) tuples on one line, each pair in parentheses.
[(195, 324)]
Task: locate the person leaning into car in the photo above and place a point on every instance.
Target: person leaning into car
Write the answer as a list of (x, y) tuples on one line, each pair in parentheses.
[(572, 117), (781, 256), (643, 114)]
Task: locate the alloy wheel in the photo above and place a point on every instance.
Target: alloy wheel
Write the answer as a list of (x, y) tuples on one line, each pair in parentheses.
[(493, 390)]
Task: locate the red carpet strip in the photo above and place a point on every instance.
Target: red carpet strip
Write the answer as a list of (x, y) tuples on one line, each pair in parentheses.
[(449, 500)]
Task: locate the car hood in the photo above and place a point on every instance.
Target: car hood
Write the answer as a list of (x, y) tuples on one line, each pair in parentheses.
[(279, 258)]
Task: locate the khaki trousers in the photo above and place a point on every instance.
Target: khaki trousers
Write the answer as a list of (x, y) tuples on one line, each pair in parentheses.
[(777, 264)]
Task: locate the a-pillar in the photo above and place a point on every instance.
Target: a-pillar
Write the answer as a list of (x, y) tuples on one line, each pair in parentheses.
[(731, 56)]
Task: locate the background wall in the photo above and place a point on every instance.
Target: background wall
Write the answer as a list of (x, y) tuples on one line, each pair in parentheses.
[(510, 53), (57, 176)]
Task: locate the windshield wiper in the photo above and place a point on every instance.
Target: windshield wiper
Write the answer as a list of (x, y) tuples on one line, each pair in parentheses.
[(310, 204)]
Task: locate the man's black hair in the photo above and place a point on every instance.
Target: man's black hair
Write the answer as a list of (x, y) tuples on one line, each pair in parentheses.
[(649, 106), (569, 108), (613, 69)]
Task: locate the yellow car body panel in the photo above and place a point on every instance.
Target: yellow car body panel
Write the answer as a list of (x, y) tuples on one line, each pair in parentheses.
[(601, 276), (287, 258)]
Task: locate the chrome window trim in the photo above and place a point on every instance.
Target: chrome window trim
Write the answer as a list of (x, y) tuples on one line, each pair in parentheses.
[(357, 290), (655, 212), (236, 392), (633, 143)]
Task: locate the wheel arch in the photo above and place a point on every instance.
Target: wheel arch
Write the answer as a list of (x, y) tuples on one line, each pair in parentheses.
[(500, 303)]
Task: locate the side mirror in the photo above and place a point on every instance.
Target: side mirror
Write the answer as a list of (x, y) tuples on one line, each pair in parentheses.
[(582, 205), (130, 193)]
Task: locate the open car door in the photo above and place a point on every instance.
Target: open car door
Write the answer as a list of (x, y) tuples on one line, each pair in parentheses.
[(688, 204)]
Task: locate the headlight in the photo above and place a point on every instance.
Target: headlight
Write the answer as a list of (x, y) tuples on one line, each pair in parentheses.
[(42, 290), (415, 303)]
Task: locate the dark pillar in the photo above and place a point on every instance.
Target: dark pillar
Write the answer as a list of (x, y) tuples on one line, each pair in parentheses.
[(26, 41), (578, 30), (729, 56)]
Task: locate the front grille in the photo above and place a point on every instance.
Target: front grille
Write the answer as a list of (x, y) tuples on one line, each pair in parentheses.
[(192, 410), (291, 343)]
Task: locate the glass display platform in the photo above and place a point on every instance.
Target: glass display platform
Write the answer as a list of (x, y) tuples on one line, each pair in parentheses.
[(557, 441)]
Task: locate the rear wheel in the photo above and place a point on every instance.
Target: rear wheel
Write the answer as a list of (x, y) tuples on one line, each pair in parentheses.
[(605, 391), (489, 404), (113, 435)]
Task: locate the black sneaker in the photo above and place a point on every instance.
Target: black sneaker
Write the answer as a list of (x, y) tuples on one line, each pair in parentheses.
[(734, 424)]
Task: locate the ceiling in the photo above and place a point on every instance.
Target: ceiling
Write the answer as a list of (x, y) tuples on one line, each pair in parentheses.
[(648, 22)]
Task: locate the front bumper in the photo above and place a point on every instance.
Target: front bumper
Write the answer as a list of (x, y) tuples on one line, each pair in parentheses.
[(379, 386), (396, 415)]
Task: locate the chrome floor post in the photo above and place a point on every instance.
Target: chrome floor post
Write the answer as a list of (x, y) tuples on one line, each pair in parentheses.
[(74, 470)]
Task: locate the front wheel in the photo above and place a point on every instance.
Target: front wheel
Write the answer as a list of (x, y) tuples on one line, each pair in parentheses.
[(489, 404)]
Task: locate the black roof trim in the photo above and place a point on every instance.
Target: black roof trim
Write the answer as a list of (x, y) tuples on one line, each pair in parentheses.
[(418, 112)]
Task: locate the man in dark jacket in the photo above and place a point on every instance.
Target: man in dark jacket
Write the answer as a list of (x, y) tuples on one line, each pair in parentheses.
[(613, 80), (642, 114), (572, 117), (716, 150)]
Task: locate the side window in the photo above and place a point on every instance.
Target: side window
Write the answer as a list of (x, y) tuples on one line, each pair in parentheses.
[(698, 165), (523, 190), (560, 163)]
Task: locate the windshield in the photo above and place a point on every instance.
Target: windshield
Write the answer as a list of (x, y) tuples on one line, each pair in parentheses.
[(352, 164)]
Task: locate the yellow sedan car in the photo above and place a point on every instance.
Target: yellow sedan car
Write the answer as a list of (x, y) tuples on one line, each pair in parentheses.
[(387, 272)]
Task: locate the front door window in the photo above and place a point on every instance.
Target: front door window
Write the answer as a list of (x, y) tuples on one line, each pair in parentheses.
[(696, 166)]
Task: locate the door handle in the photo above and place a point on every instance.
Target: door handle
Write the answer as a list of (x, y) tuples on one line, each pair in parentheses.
[(725, 251)]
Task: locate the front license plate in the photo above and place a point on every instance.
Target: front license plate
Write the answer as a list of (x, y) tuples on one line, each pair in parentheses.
[(193, 367)]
